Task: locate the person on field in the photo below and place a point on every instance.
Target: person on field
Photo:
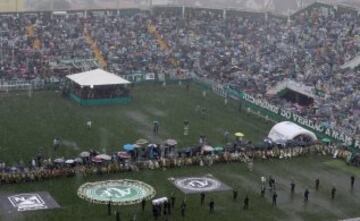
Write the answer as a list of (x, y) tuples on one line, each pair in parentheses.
[(317, 184), (246, 203), (352, 181), (143, 204), (109, 208), (56, 143), (292, 187), (235, 194), (186, 127), (156, 128), (168, 208), (274, 198), (117, 215), (262, 191), (333, 192), (211, 206), (89, 124), (226, 136), (172, 199), (183, 208), (202, 198), (155, 212), (306, 195)]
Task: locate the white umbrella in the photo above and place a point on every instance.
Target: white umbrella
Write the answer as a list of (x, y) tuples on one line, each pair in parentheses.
[(59, 160), (84, 154), (207, 148), (171, 142), (70, 161), (141, 141), (103, 157), (152, 145)]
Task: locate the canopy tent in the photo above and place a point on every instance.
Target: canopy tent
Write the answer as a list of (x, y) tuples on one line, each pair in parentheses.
[(286, 131), (97, 77), (97, 87)]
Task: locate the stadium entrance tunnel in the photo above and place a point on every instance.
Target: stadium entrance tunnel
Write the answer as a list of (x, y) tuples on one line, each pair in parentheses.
[(296, 97)]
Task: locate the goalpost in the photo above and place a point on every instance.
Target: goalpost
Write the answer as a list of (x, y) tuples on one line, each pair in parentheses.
[(7, 88)]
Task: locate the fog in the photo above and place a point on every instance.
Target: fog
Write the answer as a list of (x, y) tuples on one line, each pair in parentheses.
[(284, 7)]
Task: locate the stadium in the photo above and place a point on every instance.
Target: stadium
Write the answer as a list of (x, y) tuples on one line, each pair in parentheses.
[(179, 110)]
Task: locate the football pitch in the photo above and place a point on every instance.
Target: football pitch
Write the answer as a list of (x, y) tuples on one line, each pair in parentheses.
[(28, 126), (31, 124)]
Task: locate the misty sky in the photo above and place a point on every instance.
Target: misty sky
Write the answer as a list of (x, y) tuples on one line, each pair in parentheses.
[(279, 6)]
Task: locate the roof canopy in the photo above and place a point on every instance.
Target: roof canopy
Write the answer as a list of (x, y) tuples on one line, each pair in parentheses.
[(287, 130), (97, 77)]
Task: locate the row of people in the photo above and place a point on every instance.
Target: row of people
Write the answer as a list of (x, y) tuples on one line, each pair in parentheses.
[(43, 169)]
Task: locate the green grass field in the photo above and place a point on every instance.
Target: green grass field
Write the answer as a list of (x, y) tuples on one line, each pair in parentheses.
[(28, 125), (31, 124)]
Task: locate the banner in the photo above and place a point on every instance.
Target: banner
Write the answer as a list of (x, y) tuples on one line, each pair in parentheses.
[(284, 114)]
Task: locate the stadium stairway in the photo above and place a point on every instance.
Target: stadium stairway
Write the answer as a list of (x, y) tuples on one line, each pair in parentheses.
[(30, 32), (162, 42), (96, 50)]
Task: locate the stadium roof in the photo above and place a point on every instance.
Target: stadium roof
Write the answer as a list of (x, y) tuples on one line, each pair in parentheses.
[(287, 130), (97, 77)]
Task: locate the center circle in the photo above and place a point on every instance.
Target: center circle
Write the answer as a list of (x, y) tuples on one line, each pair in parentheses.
[(118, 192)]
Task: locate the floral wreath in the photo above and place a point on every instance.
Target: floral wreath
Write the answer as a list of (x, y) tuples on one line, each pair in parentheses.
[(149, 191)]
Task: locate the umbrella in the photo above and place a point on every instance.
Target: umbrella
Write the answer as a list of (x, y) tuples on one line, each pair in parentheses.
[(141, 141), (152, 145), (137, 146), (218, 148), (326, 140), (207, 148), (188, 150), (96, 160), (128, 147), (84, 154), (78, 160), (123, 155), (59, 160), (239, 134), (103, 157), (70, 161), (171, 142)]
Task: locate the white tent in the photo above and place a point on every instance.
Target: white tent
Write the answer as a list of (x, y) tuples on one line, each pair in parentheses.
[(286, 130), (97, 77)]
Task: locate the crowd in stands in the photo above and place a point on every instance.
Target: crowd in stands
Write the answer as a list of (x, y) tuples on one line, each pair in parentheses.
[(31, 42), (253, 52)]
